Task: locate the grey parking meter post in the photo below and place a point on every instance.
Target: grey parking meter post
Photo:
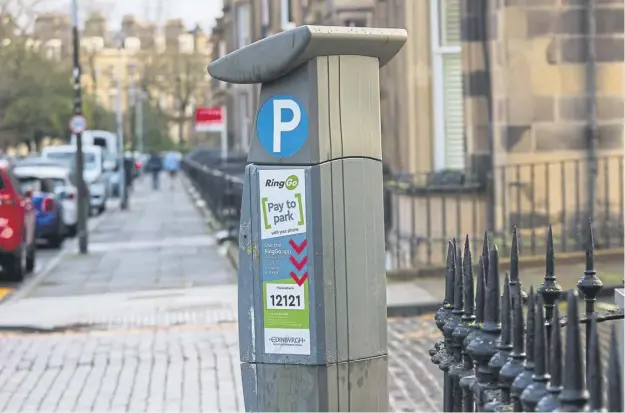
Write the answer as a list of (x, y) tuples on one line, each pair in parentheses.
[(312, 285)]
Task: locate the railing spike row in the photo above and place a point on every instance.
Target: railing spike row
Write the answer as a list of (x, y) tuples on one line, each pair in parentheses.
[(493, 361)]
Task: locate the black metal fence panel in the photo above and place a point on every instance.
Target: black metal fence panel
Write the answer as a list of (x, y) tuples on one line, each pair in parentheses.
[(220, 184), (428, 209), (493, 361)]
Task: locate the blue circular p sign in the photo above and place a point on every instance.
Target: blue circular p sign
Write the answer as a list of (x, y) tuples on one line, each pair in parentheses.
[(282, 126)]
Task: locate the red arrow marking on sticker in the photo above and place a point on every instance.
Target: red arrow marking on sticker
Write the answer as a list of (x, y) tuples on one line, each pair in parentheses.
[(299, 280), (298, 264), (298, 248)]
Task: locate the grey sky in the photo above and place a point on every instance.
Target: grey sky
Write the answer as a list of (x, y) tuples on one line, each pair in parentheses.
[(203, 12)]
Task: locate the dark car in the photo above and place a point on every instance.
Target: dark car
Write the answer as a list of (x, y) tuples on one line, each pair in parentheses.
[(49, 223)]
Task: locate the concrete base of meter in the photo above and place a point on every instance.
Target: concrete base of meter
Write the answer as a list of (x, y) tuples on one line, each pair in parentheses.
[(353, 386)]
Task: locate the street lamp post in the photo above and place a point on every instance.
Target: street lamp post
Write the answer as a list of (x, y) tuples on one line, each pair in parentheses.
[(120, 132), (82, 211)]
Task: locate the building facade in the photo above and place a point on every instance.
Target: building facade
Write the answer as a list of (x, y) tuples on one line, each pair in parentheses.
[(512, 110), (523, 98), (139, 57)]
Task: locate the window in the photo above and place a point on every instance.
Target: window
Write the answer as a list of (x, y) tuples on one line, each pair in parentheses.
[(132, 44), (159, 43), (449, 143), (112, 99), (242, 26), (53, 49), (265, 21), (88, 158), (186, 43), (222, 52), (93, 44), (286, 15), (356, 23), (244, 118)]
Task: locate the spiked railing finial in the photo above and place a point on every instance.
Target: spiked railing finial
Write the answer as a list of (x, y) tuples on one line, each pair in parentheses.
[(467, 289), (549, 403), (486, 255), (443, 313), (550, 290), (450, 274), (480, 295), (492, 316), (615, 386), (514, 263), (574, 395), (458, 298), (514, 257), (590, 285)]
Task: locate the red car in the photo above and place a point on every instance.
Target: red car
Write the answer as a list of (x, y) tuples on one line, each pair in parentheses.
[(17, 227)]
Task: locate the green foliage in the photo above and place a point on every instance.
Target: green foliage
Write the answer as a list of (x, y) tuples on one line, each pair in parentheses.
[(98, 117), (156, 131), (37, 97)]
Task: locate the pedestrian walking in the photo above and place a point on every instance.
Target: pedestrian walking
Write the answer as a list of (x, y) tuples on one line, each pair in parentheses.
[(155, 166), (171, 164)]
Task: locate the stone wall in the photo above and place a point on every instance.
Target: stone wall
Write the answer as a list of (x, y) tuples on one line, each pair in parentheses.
[(533, 70)]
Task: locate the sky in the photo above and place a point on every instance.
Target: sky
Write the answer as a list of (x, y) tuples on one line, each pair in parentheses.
[(191, 12)]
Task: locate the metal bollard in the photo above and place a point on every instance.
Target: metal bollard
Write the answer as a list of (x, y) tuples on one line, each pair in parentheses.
[(312, 285)]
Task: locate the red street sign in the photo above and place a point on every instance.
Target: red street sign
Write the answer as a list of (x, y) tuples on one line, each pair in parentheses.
[(210, 119)]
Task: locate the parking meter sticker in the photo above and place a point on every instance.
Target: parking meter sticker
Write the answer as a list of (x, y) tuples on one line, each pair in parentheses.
[(282, 126), (284, 261), (286, 300), (282, 202)]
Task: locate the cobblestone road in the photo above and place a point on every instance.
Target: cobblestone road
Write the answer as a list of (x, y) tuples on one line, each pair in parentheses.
[(184, 368)]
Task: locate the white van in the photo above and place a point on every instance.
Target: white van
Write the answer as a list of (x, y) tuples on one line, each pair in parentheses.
[(94, 169), (107, 140), (109, 143)]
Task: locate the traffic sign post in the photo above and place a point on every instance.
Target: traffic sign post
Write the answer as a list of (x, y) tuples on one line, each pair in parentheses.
[(312, 285), (77, 124)]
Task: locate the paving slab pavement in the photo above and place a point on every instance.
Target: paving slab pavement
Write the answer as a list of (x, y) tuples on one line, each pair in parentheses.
[(161, 242)]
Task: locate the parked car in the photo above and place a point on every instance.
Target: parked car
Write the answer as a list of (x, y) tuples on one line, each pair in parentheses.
[(59, 177), (73, 182), (95, 174), (49, 222), (17, 227)]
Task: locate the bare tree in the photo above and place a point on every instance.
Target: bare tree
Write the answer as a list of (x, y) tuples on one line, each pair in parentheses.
[(22, 14), (178, 76)]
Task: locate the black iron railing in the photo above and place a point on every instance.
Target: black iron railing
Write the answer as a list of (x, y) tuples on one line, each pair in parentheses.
[(529, 196), (492, 361), (220, 186)]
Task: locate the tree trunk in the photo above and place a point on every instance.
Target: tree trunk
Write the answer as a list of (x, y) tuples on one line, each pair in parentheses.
[(37, 138), (181, 131)]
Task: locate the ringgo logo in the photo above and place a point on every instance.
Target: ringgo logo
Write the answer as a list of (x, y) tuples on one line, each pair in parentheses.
[(290, 182)]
